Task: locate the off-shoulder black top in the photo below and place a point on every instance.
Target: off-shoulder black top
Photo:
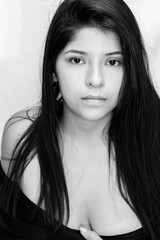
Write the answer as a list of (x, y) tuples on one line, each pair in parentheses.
[(26, 228)]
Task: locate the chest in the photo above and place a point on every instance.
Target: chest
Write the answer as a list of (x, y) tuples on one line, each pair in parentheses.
[(95, 201)]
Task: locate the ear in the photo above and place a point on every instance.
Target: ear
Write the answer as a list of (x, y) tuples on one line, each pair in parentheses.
[(54, 78)]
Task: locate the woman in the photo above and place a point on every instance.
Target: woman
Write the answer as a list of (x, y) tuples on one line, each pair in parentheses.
[(85, 164)]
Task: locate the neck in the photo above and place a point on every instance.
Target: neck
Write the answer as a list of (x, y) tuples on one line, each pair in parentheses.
[(84, 130)]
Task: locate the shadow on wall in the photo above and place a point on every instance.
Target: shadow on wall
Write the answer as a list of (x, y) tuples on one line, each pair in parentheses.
[(147, 14)]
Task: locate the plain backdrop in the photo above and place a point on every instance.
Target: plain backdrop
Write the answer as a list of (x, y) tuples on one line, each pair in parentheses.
[(23, 28)]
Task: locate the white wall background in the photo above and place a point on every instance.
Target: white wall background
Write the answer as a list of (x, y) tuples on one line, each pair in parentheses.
[(23, 27)]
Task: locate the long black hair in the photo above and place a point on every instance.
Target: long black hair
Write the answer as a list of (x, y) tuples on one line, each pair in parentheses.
[(134, 131)]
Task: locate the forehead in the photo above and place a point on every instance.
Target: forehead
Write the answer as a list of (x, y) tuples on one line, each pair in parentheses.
[(94, 40)]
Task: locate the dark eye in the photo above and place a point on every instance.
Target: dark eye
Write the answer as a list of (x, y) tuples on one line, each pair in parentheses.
[(76, 61), (113, 62)]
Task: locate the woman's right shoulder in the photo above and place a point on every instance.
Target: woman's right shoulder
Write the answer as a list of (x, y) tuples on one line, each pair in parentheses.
[(14, 129)]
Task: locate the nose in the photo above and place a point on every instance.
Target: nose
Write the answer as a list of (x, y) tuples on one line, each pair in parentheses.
[(94, 77)]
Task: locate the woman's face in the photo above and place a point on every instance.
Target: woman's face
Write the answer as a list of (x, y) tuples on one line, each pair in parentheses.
[(89, 71)]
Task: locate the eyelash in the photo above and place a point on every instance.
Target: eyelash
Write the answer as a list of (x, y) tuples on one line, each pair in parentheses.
[(73, 58), (107, 63), (115, 61)]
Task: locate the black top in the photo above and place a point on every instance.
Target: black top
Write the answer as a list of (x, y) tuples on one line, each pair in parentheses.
[(27, 228)]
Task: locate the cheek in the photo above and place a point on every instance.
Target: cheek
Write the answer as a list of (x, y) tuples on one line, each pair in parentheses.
[(68, 88), (114, 86), (114, 89), (69, 82)]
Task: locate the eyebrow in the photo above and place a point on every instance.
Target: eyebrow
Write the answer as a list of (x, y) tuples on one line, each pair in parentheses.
[(84, 53)]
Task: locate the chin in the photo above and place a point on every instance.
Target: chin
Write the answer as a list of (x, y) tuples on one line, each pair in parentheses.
[(97, 117)]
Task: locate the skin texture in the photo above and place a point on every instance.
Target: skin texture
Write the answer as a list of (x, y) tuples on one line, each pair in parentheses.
[(95, 71), (92, 66), (89, 235)]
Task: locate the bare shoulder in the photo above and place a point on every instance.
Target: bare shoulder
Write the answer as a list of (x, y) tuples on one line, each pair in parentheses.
[(13, 131)]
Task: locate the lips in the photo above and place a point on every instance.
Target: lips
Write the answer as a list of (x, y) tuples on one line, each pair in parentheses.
[(92, 97)]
